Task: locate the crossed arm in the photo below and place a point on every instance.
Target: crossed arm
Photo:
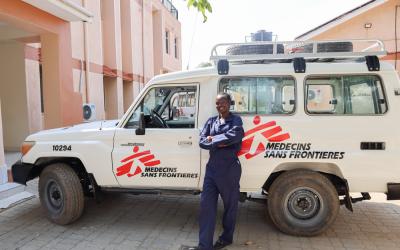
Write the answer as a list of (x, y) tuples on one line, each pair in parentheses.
[(232, 136)]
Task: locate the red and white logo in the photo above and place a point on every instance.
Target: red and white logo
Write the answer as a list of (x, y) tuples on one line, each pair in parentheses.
[(139, 160), (254, 139)]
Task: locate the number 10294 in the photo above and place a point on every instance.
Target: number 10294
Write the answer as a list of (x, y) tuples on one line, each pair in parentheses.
[(62, 147)]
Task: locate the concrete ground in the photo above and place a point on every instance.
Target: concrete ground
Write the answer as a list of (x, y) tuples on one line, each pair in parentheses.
[(124, 221)]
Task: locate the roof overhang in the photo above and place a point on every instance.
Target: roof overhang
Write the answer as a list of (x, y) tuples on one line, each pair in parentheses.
[(64, 9), (340, 19)]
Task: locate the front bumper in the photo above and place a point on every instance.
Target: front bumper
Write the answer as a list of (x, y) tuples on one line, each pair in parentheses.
[(22, 172)]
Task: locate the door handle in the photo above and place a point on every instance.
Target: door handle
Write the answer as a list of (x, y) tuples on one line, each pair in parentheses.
[(185, 143), (373, 146)]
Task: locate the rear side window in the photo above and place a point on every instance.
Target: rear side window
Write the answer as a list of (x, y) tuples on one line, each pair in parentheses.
[(260, 95), (345, 95)]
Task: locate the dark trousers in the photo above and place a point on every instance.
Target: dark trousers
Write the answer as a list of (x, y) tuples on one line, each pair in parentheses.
[(220, 179)]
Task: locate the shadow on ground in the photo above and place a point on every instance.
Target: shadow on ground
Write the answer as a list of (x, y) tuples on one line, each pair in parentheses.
[(124, 221)]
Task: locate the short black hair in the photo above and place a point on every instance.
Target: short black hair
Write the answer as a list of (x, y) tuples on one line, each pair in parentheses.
[(226, 96)]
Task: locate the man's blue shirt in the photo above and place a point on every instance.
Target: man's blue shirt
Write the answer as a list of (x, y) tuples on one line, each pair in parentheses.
[(227, 137)]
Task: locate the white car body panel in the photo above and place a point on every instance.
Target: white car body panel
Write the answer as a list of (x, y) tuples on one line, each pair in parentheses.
[(365, 171)]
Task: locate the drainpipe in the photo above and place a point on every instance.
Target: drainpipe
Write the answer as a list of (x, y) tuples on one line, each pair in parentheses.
[(143, 45), (87, 56), (395, 36)]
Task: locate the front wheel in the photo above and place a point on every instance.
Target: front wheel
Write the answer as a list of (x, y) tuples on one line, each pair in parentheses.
[(302, 202), (61, 193)]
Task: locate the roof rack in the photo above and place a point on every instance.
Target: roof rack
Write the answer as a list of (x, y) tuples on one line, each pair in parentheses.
[(264, 51)]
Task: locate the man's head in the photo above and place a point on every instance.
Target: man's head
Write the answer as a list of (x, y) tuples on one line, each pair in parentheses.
[(223, 103)]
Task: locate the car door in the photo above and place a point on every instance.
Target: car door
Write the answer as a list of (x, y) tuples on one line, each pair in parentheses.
[(167, 155)]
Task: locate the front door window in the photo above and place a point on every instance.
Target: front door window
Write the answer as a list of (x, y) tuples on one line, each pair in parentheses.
[(167, 107)]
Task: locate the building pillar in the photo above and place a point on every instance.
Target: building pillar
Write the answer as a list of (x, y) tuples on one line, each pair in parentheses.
[(13, 95), (112, 51), (62, 106), (128, 94), (3, 166), (113, 88)]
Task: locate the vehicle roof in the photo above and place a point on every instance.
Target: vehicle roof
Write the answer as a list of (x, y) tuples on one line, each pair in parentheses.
[(271, 69)]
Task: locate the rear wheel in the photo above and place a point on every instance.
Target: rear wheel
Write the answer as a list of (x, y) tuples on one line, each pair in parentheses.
[(61, 193), (302, 202)]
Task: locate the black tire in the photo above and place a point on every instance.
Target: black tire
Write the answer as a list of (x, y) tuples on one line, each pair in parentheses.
[(302, 203), (253, 49), (328, 47), (61, 194), (335, 47)]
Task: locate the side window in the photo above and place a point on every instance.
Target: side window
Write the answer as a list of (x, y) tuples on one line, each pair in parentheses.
[(167, 107), (260, 95), (361, 99), (320, 98), (345, 95)]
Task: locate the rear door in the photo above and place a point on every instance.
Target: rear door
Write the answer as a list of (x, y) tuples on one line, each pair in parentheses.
[(348, 125)]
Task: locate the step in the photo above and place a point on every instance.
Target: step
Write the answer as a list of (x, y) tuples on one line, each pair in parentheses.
[(9, 189), (15, 199)]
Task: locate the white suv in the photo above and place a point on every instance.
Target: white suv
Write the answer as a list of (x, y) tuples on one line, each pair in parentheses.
[(318, 125)]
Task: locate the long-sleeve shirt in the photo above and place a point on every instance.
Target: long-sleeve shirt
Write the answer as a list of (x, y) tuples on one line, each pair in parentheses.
[(227, 137)]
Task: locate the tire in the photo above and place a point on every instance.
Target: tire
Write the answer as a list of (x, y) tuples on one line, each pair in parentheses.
[(335, 47), (328, 47), (302, 203), (61, 194), (253, 49)]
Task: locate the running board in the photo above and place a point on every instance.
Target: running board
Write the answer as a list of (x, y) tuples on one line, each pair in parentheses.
[(136, 191)]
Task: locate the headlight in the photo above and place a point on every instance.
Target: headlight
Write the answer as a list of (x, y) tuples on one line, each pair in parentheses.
[(26, 146)]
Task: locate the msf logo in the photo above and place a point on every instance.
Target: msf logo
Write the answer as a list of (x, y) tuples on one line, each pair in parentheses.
[(138, 160), (254, 139)]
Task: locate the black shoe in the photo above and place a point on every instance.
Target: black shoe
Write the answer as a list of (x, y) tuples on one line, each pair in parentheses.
[(220, 244), (188, 248)]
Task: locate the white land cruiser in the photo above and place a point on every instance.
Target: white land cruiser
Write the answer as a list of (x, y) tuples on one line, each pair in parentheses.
[(320, 121)]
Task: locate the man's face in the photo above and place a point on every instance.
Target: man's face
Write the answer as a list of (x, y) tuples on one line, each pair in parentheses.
[(222, 105)]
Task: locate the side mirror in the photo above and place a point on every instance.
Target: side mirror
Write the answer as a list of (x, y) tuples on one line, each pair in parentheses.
[(141, 130)]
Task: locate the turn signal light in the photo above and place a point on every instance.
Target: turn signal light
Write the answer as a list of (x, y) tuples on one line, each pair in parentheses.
[(26, 146)]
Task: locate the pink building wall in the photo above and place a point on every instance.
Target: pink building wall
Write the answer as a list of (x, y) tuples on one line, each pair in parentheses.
[(105, 62), (125, 50), (116, 54), (383, 21)]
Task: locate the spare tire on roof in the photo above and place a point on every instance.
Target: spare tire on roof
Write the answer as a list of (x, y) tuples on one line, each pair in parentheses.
[(323, 47), (253, 49)]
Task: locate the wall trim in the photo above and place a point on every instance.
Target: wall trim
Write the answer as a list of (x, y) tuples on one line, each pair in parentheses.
[(391, 56), (34, 54), (64, 9)]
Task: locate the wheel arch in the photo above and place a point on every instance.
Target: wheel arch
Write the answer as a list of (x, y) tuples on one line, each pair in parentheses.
[(73, 162), (330, 170)]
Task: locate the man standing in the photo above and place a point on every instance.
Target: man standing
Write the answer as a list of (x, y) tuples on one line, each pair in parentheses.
[(222, 136)]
